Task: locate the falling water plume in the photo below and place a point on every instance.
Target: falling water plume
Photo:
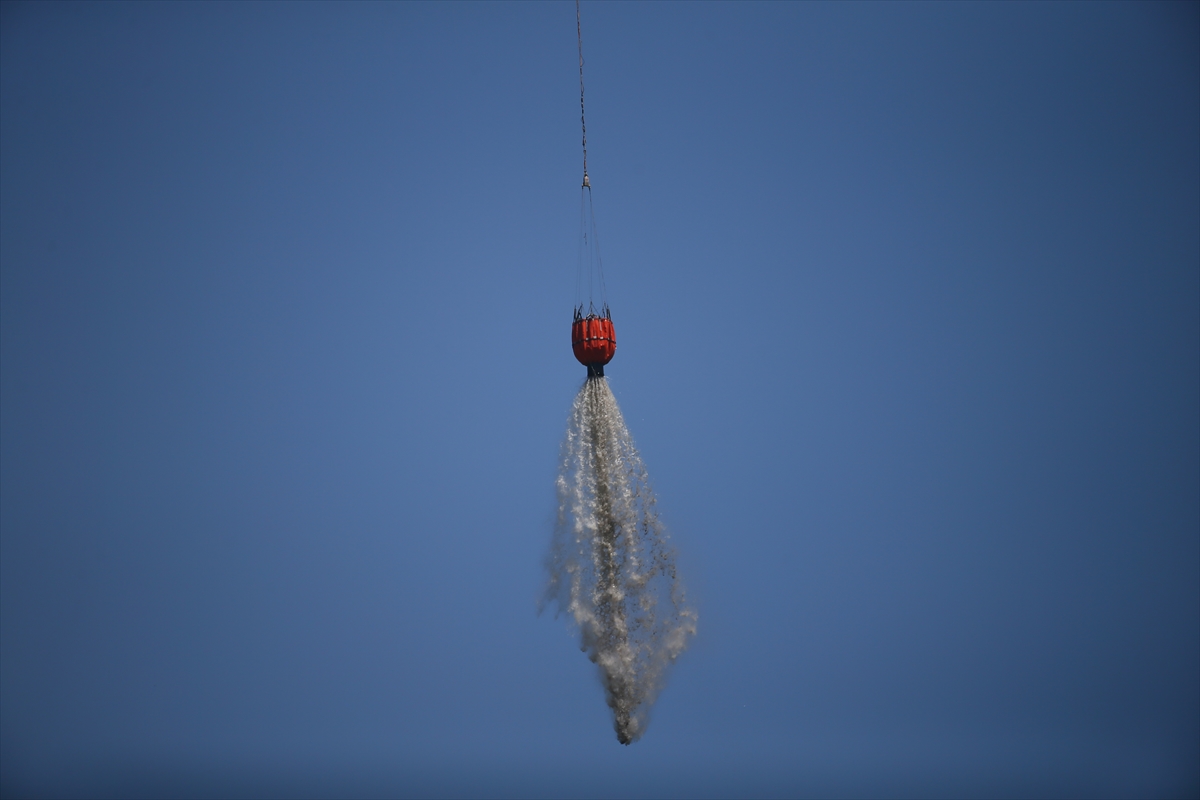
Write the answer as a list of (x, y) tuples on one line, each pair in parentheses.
[(611, 568)]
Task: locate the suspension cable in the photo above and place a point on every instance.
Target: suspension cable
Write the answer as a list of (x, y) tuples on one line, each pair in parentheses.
[(582, 118), (589, 251)]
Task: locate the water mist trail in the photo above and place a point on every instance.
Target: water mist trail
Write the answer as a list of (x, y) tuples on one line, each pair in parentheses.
[(610, 565)]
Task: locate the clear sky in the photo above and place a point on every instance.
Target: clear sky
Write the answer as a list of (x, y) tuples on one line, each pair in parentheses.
[(907, 299)]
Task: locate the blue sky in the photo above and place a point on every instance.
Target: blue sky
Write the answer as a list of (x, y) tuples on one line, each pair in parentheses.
[(908, 307)]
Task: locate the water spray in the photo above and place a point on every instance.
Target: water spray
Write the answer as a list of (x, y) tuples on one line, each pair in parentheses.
[(612, 569)]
